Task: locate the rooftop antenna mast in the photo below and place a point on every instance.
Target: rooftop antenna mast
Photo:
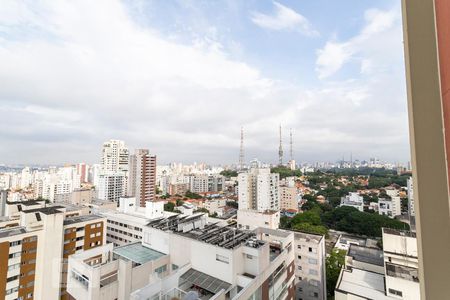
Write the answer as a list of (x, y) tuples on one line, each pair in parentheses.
[(280, 151), (241, 152)]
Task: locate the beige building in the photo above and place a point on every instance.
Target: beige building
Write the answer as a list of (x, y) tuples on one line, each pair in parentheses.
[(34, 252), (288, 198), (142, 176)]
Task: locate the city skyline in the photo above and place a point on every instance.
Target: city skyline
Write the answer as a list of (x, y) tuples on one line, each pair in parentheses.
[(181, 81)]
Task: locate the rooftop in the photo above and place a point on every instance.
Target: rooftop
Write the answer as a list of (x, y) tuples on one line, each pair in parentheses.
[(79, 219), (204, 281), (366, 284), (227, 237), (49, 210), (7, 232), (368, 255), (399, 232), (138, 253)]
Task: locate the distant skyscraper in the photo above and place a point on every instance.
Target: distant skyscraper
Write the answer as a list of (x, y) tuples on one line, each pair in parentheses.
[(142, 176), (115, 156)]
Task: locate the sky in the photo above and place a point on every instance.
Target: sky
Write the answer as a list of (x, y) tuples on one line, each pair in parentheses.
[(182, 77)]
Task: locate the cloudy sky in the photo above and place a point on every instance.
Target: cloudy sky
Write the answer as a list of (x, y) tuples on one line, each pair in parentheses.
[(182, 77)]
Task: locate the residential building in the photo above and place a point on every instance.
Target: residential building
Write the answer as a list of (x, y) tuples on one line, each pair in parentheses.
[(142, 176), (353, 199), (259, 190), (218, 262), (310, 271), (125, 225), (251, 219), (205, 183), (114, 156), (82, 196), (288, 198), (409, 186), (388, 274), (34, 252), (111, 186), (178, 188), (390, 207)]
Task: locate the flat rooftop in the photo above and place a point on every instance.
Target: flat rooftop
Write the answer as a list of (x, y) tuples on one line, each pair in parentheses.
[(365, 284), (7, 232), (79, 219), (228, 237), (368, 255), (50, 210), (137, 253), (399, 232)]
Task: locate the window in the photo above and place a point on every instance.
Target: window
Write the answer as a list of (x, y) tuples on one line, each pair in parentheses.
[(314, 282), (161, 269), (300, 278), (249, 256), (174, 267), (395, 292), (15, 243), (312, 261), (300, 268), (222, 258), (299, 247), (313, 272)]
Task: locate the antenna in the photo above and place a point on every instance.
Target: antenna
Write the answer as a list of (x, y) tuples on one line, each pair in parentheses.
[(280, 151), (241, 152), (290, 150)]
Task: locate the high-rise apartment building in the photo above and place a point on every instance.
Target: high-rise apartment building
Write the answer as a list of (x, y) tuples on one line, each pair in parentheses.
[(111, 186), (34, 250), (115, 156), (142, 176), (259, 190)]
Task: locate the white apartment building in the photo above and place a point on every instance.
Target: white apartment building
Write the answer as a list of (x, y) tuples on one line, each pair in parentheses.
[(111, 186), (259, 190), (386, 275), (125, 225), (204, 183), (309, 251), (310, 271), (353, 199), (251, 219), (409, 185), (390, 207), (186, 258), (114, 156)]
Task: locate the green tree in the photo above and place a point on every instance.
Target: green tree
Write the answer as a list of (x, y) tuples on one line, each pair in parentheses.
[(229, 173), (179, 202), (334, 263), (169, 206), (233, 204)]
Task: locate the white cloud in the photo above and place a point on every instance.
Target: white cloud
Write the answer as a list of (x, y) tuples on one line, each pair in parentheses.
[(379, 27), (77, 73), (284, 18)]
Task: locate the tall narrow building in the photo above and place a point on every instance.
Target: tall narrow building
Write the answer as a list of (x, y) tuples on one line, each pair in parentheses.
[(115, 156), (142, 176)]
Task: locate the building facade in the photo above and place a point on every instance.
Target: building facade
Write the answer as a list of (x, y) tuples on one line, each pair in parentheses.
[(142, 176)]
